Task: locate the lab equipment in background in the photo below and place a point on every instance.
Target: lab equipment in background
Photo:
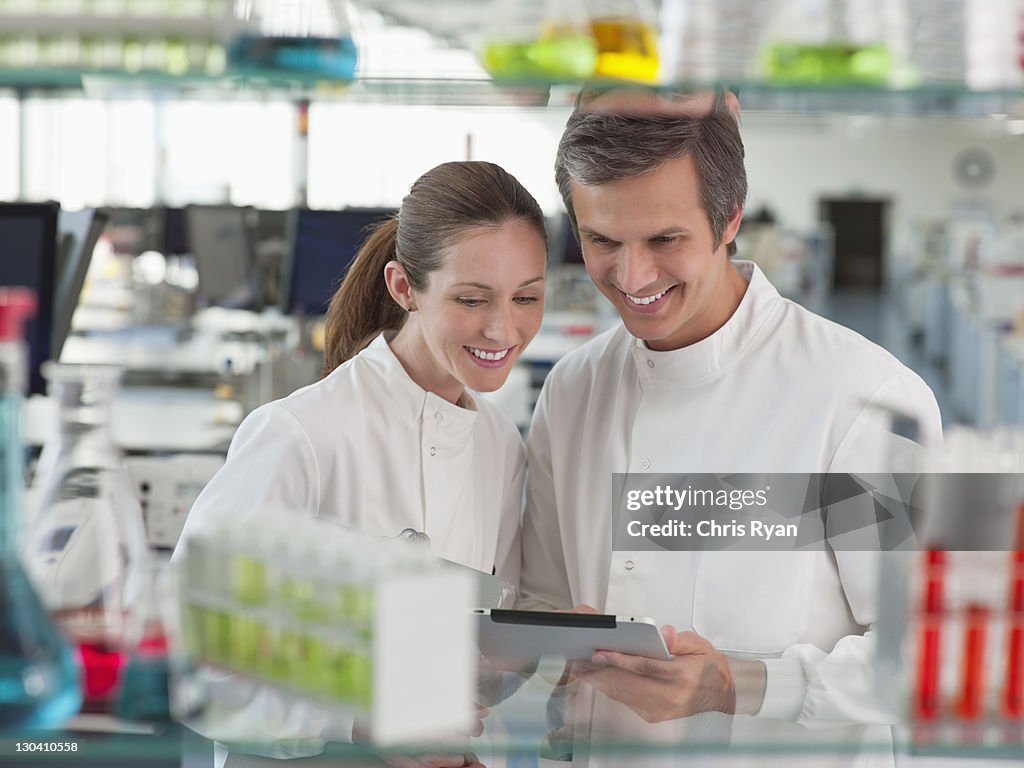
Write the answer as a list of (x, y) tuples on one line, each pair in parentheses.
[(81, 231), (28, 234), (959, 610), (86, 543), (994, 44), (271, 251), (709, 41), (145, 687), (167, 486), (937, 40), (626, 33), (548, 41), (310, 37), (837, 42), (220, 240), (799, 265), (172, 38), (39, 680), (324, 612), (323, 246)]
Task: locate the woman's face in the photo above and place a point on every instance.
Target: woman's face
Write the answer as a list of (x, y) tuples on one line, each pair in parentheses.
[(480, 309)]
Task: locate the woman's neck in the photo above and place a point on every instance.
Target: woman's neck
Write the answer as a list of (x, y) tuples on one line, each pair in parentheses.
[(412, 352)]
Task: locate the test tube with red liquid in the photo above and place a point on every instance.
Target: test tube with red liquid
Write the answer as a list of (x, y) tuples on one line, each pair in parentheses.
[(1013, 693), (927, 695)]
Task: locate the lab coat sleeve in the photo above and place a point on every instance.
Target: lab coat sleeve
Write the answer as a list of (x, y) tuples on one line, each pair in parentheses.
[(819, 688), (544, 581), (271, 468)]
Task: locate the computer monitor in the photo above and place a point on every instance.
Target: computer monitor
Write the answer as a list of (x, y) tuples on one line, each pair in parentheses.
[(220, 240), (79, 233), (324, 245), (173, 232), (570, 251), (28, 257)]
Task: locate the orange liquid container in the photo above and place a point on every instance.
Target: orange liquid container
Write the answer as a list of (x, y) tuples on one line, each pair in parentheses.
[(627, 49)]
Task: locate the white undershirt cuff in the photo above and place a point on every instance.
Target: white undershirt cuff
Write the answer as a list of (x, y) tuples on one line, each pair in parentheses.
[(785, 689)]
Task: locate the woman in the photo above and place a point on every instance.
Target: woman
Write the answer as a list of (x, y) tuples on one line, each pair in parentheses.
[(440, 300)]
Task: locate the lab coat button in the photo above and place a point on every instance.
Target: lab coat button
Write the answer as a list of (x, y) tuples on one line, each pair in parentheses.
[(645, 464), (650, 363), (433, 451), (629, 565), (438, 415)]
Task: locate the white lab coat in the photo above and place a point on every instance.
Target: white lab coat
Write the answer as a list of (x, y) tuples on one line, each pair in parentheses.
[(776, 389), (370, 449)]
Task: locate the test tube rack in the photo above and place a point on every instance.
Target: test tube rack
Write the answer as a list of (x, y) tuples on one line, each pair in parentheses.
[(376, 628)]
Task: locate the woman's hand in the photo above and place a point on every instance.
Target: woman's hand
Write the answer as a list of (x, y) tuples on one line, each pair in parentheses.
[(455, 759)]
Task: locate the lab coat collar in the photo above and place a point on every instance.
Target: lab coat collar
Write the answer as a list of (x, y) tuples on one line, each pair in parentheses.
[(418, 404), (705, 359)]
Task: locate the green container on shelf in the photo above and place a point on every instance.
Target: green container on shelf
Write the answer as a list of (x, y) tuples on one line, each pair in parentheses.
[(827, 64), (572, 57), (217, 635)]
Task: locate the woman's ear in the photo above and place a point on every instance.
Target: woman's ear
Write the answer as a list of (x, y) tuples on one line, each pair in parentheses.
[(398, 286)]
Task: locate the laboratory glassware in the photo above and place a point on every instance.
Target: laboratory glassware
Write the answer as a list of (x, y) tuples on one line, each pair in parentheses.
[(546, 42), (39, 680), (836, 42), (626, 34), (85, 546), (145, 688), (310, 37)]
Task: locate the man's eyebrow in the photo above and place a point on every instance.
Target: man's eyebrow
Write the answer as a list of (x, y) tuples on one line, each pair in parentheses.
[(663, 233), (671, 231)]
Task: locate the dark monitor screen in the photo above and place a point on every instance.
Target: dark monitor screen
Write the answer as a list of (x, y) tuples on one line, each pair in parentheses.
[(571, 251), (28, 257), (325, 244), (80, 231), (174, 233)]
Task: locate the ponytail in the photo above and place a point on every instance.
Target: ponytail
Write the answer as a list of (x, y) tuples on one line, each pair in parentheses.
[(362, 307)]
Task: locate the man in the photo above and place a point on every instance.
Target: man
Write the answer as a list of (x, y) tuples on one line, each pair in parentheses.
[(711, 372)]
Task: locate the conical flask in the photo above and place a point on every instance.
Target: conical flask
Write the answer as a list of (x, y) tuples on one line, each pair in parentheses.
[(39, 680), (145, 689), (305, 37), (86, 544)]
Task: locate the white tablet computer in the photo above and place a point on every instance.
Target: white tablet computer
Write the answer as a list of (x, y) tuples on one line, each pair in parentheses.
[(526, 635)]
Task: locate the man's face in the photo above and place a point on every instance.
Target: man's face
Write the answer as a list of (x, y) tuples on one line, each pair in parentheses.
[(648, 247)]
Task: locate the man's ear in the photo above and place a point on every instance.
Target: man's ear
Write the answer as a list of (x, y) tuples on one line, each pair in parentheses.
[(732, 226), (398, 286)]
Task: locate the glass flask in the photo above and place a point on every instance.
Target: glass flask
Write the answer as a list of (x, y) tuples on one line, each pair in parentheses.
[(300, 36), (626, 33), (39, 680), (86, 544), (549, 41), (145, 687), (836, 42)]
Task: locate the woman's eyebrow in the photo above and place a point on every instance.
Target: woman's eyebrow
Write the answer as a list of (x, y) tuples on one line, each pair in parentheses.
[(484, 287)]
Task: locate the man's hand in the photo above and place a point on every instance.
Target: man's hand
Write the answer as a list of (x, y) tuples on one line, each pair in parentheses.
[(697, 679)]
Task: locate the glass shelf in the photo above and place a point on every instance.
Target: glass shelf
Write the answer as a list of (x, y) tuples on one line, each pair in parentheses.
[(518, 726), (952, 100)]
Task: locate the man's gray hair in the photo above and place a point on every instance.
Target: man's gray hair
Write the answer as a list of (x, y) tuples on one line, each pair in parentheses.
[(599, 147)]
